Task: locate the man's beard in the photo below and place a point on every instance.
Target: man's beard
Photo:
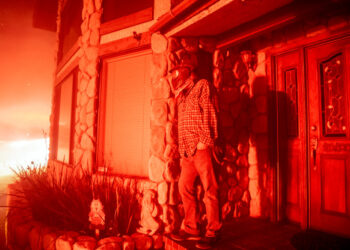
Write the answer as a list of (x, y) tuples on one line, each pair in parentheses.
[(182, 87), (179, 83)]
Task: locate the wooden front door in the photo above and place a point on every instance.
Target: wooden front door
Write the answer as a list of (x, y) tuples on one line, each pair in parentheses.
[(291, 133), (328, 81)]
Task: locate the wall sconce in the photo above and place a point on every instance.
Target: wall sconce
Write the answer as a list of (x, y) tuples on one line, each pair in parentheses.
[(249, 59)]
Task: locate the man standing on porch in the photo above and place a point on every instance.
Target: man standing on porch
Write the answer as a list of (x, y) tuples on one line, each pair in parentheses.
[(197, 130)]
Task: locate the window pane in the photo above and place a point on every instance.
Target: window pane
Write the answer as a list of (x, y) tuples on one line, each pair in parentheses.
[(113, 9), (127, 116), (334, 115), (70, 26), (64, 121)]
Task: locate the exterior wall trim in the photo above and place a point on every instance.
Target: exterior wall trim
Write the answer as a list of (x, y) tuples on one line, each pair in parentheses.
[(176, 14), (125, 45), (67, 68), (68, 57), (127, 21)]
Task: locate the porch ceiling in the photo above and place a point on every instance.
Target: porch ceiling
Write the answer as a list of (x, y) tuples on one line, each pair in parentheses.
[(225, 15)]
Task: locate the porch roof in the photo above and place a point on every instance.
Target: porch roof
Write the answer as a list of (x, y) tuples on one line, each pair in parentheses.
[(213, 17)]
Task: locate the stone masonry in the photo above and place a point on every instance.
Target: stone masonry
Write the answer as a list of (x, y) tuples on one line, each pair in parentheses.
[(86, 113)]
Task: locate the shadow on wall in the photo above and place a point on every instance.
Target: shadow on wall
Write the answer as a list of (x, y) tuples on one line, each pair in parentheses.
[(262, 141), (274, 122), (289, 165), (248, 141), (247, 135), (231, 99)]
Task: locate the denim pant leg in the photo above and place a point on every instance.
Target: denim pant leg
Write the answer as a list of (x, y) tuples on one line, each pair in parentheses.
[(204, 167), (188, 194)]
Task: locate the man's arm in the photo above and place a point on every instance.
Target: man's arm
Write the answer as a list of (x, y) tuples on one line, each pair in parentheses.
[(209, 125)]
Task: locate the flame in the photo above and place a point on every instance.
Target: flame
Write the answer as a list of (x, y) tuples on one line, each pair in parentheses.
[(20, 153)]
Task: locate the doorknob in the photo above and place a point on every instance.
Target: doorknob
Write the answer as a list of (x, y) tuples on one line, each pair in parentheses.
[(313, 128), (313, 144)]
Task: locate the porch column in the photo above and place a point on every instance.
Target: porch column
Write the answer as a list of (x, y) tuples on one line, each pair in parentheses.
[(86, 113)]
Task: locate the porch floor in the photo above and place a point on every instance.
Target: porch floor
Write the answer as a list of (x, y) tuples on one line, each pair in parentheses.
[(250, 233)]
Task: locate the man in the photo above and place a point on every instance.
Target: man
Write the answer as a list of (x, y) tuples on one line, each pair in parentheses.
[(197, 129)]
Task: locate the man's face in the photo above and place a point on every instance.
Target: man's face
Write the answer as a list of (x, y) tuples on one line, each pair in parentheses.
[(179, 77)]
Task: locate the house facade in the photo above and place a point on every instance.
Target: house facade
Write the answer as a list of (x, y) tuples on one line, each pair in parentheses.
[(279, 73)]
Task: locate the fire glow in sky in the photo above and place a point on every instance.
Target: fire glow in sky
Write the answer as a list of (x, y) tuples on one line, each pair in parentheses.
[(16, 154), (26, 79)]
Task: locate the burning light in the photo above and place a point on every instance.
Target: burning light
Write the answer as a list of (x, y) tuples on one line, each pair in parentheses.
[(22, 153)]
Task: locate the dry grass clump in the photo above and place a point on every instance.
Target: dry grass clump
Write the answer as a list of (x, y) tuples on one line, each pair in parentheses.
[(60, 197)]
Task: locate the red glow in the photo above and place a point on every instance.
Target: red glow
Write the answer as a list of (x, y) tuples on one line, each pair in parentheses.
[(22, 153), (26, 77)]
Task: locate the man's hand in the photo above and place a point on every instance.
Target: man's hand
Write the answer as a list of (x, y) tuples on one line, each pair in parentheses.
[(201, 146)]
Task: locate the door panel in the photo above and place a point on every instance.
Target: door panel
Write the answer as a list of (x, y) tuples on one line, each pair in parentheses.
[(329, 135), (291, 132), (293, 180), (333, 184)]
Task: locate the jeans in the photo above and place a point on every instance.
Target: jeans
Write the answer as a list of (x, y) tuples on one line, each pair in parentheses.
[(199, 164)]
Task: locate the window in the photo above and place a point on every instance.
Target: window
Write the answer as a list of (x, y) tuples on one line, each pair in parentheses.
[(64, 118), (120, 14), (124, 118), (113, 9), (70, 26)]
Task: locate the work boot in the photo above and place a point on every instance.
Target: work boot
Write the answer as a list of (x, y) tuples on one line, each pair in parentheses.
[(207, 242), (183, 235)]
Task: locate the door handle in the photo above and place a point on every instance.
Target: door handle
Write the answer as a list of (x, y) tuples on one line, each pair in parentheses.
[(314, 145)]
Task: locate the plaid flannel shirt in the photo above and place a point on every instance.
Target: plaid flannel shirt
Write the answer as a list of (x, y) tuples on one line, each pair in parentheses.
[(197, 121)]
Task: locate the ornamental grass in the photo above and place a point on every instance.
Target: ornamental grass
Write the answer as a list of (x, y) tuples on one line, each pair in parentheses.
[(60, 197)]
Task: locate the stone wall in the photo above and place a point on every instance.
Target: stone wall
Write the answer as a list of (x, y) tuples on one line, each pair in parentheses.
[(240, 80), (163, 163), (87, 90), (231, 83)]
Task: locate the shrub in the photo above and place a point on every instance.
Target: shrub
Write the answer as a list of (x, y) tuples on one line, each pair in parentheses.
[(61, 197)]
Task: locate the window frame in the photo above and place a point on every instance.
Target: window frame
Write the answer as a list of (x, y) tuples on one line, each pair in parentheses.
[(129, 20), (101, 115), (57, 106), (65, 47)]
